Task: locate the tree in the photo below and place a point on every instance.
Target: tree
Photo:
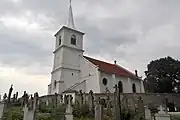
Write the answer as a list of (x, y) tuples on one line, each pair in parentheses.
[(163, 76)]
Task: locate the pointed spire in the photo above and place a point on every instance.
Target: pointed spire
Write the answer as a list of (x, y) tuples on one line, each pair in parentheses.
[(70, 19)]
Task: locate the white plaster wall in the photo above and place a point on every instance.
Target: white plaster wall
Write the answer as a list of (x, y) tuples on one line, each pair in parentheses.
[(71, 58), (89, 73), (81, 86), (55, 76), (127, 83), (58, 57), (70, 77)]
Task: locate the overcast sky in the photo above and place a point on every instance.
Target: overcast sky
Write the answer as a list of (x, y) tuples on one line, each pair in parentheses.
[(133, 32)]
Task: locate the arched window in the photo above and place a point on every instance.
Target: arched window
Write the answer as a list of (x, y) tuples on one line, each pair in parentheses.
[(59, 40), (134, 88), (120, 86), (55, 82), (73, 40), (104, 81)]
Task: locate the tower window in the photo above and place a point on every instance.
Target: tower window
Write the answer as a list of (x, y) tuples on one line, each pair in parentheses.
[(134, 88), (59, 40), (104, 81), (73, 40)]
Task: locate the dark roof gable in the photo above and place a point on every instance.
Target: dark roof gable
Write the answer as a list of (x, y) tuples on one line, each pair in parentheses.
[(111, 68)]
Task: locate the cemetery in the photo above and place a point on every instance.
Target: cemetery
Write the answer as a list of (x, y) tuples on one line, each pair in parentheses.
[(76, 105)]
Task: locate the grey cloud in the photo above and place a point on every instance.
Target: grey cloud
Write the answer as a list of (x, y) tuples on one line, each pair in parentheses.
[(129, 31)]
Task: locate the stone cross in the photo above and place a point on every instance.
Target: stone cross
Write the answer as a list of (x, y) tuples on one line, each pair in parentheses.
[(56, 99), (117, 103), (148, 115), (91, 101), (99, 110), (81, 98), (30, 112), (140, 109), (125, 102), (69, 110), (65, 100), (25, 98), (16, 96), (31, 102), (35, 100), (61, 98), (9, 94), (5, 97)]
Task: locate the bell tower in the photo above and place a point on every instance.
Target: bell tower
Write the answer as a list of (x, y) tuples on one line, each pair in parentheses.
[(66, 64)]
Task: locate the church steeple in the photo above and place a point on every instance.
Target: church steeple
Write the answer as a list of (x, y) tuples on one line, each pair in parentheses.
[(70, 23)]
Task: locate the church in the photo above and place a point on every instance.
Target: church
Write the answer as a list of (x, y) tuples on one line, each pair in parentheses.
[(72, 71)]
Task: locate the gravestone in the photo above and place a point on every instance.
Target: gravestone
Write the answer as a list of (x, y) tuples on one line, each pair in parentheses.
[(31, 100), (16, 96), (84, 98), (25, 98), (91, 101), (108, 103), (61, 98), (3, 106), (125, 102), (55, 99), (117, 104), (140, 109), (30, 113), (162, 114), (65, 99), (69, 109), (9, 94), (99, 110), (5, 97), (81, 98), (148, 115)]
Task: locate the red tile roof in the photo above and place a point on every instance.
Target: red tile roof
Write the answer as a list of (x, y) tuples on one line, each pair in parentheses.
[(111, 68)]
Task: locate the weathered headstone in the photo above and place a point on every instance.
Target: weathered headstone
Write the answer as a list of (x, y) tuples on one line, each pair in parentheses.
[(61, 98), (31, 102), (125, 102), (117, 103), (69, 110), (81, 99), (162, 114), (9, 94), (25, 98), (3, 106), (91, 101), (99, 113), (65, 99), (56, 99), (5, 97), (16, 96), (84, 98), (108, 103), (148, 115), (30, 113), (140, 109)]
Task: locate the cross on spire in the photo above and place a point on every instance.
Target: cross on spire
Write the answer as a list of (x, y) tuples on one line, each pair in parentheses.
[(70, 19)]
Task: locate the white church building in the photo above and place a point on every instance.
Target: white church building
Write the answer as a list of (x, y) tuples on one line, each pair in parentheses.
[(74, 71)]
